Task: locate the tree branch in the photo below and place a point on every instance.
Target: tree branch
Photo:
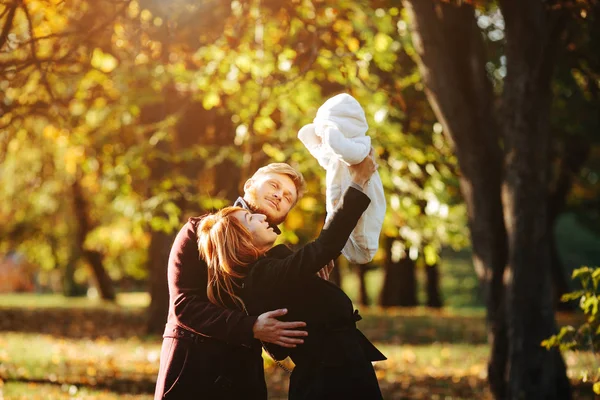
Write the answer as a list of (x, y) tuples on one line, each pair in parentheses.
[(34, 53), (12, 10)]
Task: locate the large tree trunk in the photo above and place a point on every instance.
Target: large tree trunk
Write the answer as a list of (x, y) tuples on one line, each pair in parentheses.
[(160, 241), (363, 296), (400, 282), (434, 298), (103, 280), (84, 227), (452, 63), (532, 32), (158, 257), (572, 159), (197, 126), (70, 287)]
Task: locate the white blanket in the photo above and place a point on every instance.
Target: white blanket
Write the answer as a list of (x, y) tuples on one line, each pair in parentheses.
[(337, 138)]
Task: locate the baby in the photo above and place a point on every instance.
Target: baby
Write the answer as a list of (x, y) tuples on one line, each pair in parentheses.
[(337, 138)]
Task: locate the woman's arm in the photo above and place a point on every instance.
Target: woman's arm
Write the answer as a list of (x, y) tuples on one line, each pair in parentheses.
[(311, 258)]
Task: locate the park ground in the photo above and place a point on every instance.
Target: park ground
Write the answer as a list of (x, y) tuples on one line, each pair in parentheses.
[(52, 348)]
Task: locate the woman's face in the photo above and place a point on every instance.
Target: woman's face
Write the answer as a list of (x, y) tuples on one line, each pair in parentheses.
[(263, 235)]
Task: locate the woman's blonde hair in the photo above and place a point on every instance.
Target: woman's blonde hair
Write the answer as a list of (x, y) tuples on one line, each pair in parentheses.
[(226, 246)]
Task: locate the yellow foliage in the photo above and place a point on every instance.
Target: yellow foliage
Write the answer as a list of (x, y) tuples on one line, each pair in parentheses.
[(51, 132), (103, 61), (141, 59), (146, 15), (294, 221), (353, 44), (244, 63), (134, 9), (273, 152), (382, 42), (308, 203), (73, 158), (343, 27), (211, 100)]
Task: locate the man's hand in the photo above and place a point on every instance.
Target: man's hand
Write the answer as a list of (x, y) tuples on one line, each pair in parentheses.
[(326, 270), (269, 329)]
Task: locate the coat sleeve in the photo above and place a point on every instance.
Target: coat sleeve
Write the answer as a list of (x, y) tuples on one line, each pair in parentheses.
[(312, 257), (189, 305)]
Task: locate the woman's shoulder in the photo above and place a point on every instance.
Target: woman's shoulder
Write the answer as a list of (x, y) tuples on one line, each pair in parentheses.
[(272, 255), (260, 267), (279, 251)]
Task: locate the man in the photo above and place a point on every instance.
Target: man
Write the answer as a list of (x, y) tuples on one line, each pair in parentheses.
[(202, 341)]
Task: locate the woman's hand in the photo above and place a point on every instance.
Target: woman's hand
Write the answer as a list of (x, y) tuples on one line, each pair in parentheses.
[(361, 173), (268, 328)]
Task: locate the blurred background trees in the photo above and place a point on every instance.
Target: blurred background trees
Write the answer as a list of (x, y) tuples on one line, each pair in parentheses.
[(121, 118)]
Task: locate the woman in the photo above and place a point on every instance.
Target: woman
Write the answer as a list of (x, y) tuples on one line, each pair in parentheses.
[(247, 272)]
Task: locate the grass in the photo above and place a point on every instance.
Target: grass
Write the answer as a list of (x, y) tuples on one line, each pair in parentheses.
[(420, 325), (37, 391), (137, 300), (46, 357), (80, 368), (459, 289), (432, 354)]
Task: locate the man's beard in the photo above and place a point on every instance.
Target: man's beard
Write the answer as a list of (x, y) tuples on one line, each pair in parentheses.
[(251, 201)]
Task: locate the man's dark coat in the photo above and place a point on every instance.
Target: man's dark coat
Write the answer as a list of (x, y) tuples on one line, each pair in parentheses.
[(208, 352)]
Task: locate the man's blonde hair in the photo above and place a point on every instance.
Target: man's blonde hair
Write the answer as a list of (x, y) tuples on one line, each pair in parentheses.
[(285, 169)]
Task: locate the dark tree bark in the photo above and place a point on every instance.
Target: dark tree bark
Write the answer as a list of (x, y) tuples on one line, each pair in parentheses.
[(160, 241), (452, 60), (70, 287), (400, 282), (532, 32), (158, 257), (12, 10), (572, 159), (452, 63), (363, 296), (197, 126), (434, 298), (93, 258)]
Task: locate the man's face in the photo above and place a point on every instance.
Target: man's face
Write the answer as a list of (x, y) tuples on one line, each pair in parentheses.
[(271, 194)]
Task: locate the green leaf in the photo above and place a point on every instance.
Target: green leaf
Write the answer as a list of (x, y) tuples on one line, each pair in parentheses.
[(589, 305), (572, 296), (580, 272)]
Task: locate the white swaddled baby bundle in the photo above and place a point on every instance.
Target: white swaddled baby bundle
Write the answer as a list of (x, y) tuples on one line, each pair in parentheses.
[(337, 138)]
